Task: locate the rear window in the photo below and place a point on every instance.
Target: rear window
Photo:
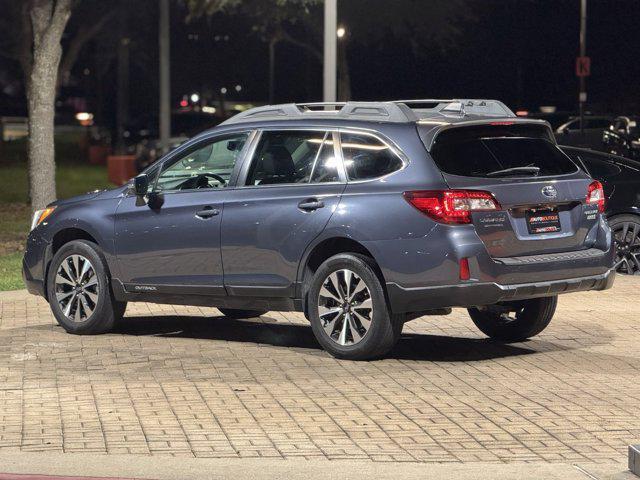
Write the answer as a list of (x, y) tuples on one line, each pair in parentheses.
[(504, 151)]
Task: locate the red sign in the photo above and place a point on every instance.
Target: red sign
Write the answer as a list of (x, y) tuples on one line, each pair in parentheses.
[(583, 66)]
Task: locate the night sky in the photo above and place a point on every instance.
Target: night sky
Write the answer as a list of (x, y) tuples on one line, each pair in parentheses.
[(518, 51)]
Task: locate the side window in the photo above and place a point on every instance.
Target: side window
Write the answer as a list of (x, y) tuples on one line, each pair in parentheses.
[(620, 125), (366, 157), (293, 157), (596, 123), (599, 168), (208, 166), (573, 125)]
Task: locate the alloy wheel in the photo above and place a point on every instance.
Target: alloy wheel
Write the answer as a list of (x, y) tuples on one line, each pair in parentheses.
[(345, 307), (627, 240), (76, 288)]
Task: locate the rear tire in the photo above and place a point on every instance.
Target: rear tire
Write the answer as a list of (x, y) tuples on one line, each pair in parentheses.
[(626, 235), (348, 310), (79, 292), (238, 313), (500, 323)]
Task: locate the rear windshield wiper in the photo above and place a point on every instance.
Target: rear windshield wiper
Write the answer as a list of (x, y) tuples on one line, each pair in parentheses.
[(514, 171)]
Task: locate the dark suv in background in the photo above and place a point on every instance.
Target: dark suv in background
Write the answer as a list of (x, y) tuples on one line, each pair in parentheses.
[(620, 178), (362, 215)]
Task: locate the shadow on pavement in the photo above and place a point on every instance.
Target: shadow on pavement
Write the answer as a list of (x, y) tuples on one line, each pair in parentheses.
[(411, 346)]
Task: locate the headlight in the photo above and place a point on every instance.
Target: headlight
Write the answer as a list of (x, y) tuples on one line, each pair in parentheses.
[(40, 215)]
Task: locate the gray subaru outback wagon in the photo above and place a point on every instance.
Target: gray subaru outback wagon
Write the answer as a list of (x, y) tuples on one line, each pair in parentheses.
[(362, 215)]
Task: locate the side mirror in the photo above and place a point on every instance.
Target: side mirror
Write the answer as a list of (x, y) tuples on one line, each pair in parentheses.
[(141, 184)]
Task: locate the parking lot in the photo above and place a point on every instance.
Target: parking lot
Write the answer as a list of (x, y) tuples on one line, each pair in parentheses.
[(185, 381)]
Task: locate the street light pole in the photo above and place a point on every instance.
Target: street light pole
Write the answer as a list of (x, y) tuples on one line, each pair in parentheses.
[(330, 49), (583, 53), (165, 85)]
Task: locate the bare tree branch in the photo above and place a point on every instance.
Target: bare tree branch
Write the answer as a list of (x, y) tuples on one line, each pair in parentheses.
[(25, 44), (286, 37), (60, 17), (84, 34)]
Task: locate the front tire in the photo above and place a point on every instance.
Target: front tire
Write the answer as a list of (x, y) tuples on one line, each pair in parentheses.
[(348, 310), (514, 321), (78, 290)]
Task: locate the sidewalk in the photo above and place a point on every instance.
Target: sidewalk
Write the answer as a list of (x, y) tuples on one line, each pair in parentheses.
[(186, 382)]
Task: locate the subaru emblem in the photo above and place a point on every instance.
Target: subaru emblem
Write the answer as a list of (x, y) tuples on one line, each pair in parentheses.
[(550, 191)]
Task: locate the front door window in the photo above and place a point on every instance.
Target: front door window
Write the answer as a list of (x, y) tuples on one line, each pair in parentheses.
[(209, 166)]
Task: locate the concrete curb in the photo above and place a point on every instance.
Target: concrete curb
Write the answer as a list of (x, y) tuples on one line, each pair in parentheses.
[(186, 468), (634, 459), (13, 295)]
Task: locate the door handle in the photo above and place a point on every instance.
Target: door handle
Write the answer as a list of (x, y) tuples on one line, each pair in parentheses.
[(310, 204), (207, 212)]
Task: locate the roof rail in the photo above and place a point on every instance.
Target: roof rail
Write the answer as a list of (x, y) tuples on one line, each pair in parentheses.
[(396, 111), (461, 106)]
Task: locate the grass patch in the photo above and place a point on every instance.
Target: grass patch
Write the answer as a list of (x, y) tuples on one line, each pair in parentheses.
[(11, 271), (73, 177), (71, 180)]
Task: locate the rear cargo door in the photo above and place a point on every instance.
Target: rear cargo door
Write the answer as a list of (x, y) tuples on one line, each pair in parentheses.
[(541, 191)]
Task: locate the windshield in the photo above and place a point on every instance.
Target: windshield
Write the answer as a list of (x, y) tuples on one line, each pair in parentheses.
[(481, 152)]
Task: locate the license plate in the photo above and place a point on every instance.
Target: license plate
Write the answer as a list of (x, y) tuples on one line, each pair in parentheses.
[(543, 221)]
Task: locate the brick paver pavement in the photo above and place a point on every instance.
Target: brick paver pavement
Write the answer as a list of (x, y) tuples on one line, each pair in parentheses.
[(186, 381)]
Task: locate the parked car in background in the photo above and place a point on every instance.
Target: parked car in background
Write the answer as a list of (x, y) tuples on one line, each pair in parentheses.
[(620, 178), (622, 137), (362, 215), (569, 133)]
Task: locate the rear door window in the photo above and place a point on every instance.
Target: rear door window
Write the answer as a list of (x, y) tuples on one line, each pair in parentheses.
[(502, 152), (289, 157)]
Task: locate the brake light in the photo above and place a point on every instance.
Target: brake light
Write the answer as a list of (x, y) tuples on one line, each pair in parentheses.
[(452, 206), (595, 195)]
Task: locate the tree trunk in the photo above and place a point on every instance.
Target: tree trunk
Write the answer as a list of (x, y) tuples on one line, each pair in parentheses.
[(48, 21), (41, 103)]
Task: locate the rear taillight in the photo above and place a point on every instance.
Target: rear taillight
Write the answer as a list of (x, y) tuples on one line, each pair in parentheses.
[(595, 195), (452, 206)]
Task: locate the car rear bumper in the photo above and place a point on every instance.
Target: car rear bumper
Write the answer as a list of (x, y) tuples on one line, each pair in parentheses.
[(405, 300)]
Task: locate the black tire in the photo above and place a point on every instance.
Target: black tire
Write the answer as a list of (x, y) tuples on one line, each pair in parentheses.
[(384, 328), (106, 309), (626, 233), (531, 317), (238, 313)]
